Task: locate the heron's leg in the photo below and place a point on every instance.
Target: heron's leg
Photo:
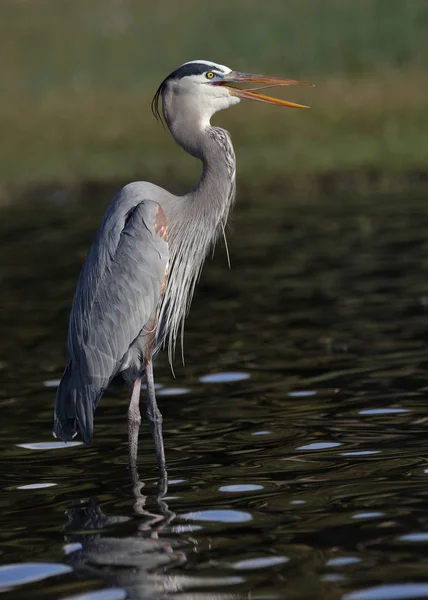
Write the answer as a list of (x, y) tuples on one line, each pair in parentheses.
[(134, 421), (154, 416)]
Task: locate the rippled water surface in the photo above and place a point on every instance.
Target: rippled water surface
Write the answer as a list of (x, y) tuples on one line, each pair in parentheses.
[(296, 434)]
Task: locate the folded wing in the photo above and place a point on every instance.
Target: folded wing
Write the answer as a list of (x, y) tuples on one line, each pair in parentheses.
[(117, 296)]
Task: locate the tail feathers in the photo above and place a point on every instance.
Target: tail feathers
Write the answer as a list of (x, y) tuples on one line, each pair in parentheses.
[(74, 412)]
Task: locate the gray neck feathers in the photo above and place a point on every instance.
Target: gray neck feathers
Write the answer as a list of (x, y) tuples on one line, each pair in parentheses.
[(195, 221)]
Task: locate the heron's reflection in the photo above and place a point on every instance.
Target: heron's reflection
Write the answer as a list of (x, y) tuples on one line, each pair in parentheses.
[(133, 559), (139, 563)]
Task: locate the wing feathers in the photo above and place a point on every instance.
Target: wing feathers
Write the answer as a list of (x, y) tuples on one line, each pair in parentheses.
[(117, 295)]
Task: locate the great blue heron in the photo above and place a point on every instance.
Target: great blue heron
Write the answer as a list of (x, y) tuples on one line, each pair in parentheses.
[(137, 283)]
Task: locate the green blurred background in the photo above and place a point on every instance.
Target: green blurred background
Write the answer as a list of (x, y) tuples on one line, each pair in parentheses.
[(77, 78)]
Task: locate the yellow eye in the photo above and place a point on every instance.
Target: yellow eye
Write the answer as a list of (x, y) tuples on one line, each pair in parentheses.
[(210, 75)]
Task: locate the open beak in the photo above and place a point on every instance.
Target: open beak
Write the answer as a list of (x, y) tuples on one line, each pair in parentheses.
[(251, 94)]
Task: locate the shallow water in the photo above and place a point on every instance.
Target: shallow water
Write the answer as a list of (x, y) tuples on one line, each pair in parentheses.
[(295, 435)]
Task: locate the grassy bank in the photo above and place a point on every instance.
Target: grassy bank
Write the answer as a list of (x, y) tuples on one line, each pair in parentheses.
[(78, 77)]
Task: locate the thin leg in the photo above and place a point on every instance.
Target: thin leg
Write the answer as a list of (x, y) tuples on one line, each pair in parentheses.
[(155, 417), (134, 421)]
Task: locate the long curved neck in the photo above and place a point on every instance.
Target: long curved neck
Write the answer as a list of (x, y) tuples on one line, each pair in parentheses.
[(213, 146), (197, 218)]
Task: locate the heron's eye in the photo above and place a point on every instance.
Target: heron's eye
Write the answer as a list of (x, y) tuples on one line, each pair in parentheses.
[(210, 75)]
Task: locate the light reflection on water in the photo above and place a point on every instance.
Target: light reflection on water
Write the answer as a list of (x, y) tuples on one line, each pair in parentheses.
[(109, 594), (228, 377), (23, 573), (402, 591), (295, 435), (218, 516), (173, 391), (49, 445)]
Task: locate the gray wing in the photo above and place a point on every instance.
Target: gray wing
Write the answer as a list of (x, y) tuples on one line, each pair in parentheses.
[(116, 297)]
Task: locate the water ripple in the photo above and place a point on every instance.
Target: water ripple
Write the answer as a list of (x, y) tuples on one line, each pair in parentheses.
[(23, 573), (49, 445), (341, 561), (218, 516), (415, 537), (35, 486), (397, 591), (319, 446), (106, 594), (227, 377), (173, 391), (260, 562), (240, 487), (383, 411)]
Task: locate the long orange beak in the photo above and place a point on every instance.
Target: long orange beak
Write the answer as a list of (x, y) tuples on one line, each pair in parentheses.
[(251, 94)]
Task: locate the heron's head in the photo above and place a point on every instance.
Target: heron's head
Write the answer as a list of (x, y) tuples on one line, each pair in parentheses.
[(200, 88)]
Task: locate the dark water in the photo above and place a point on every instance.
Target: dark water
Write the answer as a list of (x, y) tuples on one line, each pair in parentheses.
[(299, 471)]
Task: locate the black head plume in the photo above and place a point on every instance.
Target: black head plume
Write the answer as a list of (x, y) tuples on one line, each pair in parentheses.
[(156, 102)]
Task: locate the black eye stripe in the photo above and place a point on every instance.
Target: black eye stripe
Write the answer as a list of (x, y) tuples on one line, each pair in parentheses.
[(193, 69)]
